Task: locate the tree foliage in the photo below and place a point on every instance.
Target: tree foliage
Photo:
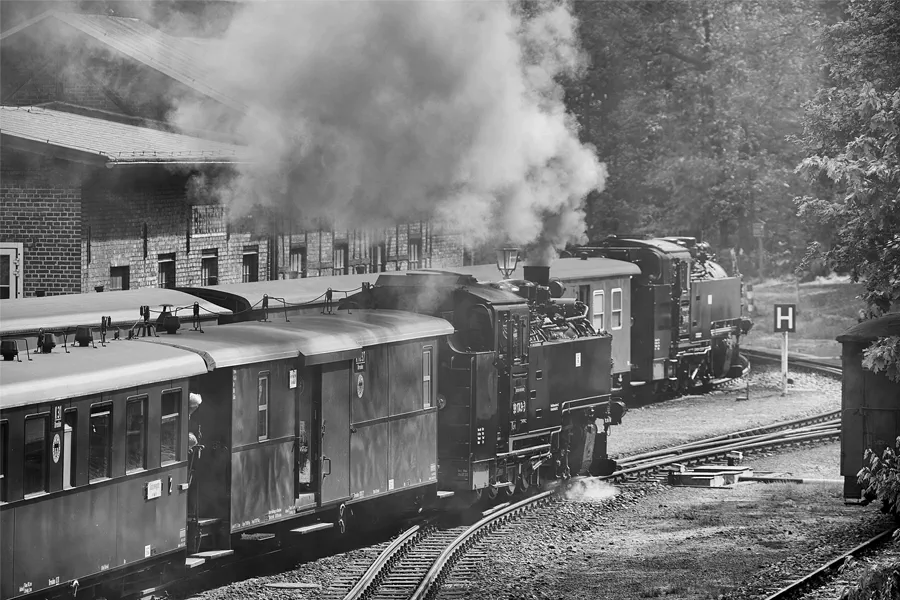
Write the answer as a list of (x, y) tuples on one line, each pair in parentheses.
[(851, 136), (690, 103)]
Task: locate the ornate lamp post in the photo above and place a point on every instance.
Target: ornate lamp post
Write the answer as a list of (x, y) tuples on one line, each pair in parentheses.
[(507, 260)]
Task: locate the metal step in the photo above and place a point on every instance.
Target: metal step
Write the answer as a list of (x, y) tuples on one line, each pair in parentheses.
[(190, 562), (212, 554), (312, 528)]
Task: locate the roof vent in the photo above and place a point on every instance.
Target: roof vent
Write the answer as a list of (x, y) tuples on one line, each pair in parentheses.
[(9, 349)]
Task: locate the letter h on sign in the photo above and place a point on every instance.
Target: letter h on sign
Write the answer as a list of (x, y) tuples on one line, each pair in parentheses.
[(785, 318)]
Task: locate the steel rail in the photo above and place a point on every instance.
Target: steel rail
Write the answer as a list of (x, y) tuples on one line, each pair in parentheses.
[(387, 556), (774, 356), (808, 579), (803, 422), (438, 570)]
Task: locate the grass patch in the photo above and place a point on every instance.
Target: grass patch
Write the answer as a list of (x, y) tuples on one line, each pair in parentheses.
[(825, 309)]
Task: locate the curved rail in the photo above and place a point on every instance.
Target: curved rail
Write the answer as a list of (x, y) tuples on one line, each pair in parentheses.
[(796, 586), (388, 556), (439, 569), (807, 364)]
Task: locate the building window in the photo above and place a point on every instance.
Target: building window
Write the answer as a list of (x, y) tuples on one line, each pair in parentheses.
[(167, 270), (207, 219), (298, 260), (100, 444), (4, 453), (262, 424), (11, 265), (598, 310), (250, 266), (340, 261), (169, 427), (119, 278), (378, 256), (426, 376), (616, 312), (34, 478), (136, 434), (209, 266), (70, 469), (415, 254)]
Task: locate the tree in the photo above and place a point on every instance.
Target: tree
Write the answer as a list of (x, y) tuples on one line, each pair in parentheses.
[(690, 103), (851, 137)]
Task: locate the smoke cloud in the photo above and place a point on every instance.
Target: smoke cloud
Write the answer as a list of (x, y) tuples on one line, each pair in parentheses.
[(370, 112)]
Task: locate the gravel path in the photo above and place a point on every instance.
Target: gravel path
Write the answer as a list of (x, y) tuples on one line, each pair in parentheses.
[(651, 540)]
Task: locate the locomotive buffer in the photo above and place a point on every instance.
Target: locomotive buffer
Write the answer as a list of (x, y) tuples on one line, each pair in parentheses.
[(785, 322)]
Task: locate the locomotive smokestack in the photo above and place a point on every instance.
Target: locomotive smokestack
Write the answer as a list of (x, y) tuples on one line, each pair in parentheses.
[(538, 274)]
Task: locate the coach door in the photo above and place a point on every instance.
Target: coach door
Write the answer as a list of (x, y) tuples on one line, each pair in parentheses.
[(335, 441)]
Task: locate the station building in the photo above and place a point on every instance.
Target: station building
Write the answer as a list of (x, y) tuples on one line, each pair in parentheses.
[(96, 188)]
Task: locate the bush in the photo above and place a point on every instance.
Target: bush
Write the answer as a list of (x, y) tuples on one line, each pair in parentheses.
[(880, 477)]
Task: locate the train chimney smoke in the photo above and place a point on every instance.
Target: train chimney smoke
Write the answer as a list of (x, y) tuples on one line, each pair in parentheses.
[(538, 274)]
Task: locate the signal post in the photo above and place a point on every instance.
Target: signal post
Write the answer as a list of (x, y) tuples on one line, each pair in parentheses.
[(785, 322)]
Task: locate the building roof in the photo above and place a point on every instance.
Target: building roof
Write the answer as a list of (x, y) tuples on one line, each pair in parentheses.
[(22, 316), (98, 141), (872, 329), (85, 371), (175, 57)]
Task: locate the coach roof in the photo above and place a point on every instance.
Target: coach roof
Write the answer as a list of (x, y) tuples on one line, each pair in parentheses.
[(85, 371), (315, 339), (55, 313)]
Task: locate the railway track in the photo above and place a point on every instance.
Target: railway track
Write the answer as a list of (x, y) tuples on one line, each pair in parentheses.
[(401, 570)]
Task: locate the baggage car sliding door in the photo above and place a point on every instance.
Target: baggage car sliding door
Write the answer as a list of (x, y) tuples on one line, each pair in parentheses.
[(335, 441)]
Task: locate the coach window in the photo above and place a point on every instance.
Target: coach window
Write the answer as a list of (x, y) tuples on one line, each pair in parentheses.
[(136, 433), (100, 444), (426, 376), (262, 425), (616, 312), (70, 449), (169, 427), (4, 452), (597, 308), (35, 475)]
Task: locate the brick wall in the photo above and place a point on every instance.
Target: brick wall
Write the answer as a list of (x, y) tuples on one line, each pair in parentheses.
[(438, 249), (145, 213), (40, 204)]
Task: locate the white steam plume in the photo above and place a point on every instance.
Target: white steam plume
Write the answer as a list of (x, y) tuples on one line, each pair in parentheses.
[(374, 112)]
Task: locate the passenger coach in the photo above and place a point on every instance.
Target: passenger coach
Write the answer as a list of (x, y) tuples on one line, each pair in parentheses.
[(153, 455)]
